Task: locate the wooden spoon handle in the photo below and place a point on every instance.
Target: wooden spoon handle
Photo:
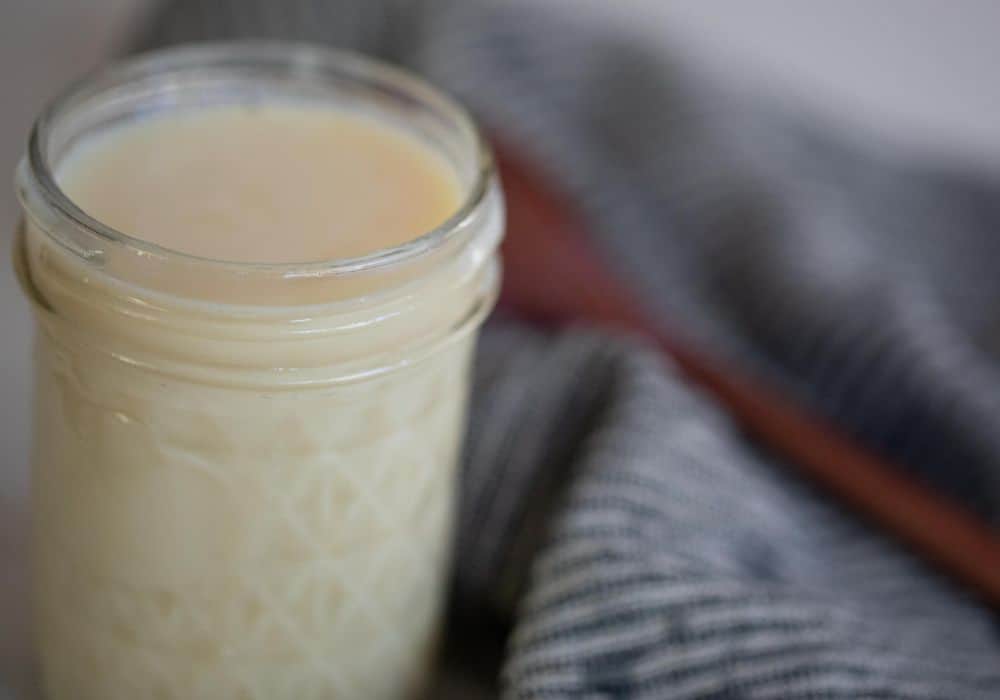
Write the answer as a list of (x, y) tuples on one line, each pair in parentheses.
[(552, 275)]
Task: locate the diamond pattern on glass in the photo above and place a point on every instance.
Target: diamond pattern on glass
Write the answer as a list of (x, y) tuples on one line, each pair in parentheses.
[(290, 545)]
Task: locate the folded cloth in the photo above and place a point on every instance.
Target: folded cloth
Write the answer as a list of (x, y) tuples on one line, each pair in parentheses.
[(633, 541), (679, 561)]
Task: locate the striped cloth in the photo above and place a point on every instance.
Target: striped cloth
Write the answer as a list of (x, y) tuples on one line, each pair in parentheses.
[(619, 537)]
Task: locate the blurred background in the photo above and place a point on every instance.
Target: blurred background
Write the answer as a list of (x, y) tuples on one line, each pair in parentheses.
[(919, 73)]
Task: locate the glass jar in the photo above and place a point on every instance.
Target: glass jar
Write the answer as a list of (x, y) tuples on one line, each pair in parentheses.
[(244, 475)]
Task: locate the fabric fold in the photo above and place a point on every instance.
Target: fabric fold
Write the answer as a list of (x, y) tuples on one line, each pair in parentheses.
[(682, 562)]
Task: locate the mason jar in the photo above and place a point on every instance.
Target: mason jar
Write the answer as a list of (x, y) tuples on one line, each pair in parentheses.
[(244, 475)]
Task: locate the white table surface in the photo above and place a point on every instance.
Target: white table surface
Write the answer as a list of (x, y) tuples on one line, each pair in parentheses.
[(919, 72)]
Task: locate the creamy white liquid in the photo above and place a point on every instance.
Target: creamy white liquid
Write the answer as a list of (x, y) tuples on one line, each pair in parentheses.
[(220, 514), (272, 183)]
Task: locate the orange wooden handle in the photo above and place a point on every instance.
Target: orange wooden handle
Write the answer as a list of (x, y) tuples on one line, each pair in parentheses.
[(552, 274)]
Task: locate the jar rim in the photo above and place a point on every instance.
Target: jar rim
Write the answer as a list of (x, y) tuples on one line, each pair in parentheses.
[(290, 56)]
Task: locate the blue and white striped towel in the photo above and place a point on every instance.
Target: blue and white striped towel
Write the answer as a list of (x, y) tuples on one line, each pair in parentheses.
[(615, 523)]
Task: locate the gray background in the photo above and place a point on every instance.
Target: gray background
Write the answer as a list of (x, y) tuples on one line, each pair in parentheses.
[(920, 73)]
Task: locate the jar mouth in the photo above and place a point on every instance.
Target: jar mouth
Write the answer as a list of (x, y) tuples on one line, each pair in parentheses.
[(281, 60)]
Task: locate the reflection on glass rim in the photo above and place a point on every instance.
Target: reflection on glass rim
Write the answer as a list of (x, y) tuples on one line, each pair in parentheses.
[(290, 58)]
